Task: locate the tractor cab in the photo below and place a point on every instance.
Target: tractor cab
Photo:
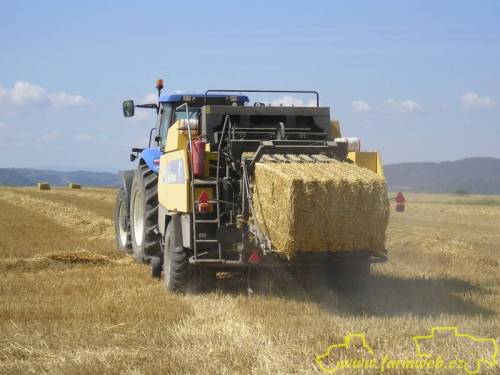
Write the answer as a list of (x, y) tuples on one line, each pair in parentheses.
[(173, 108)]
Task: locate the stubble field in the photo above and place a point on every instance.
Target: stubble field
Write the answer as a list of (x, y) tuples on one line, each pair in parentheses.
[(71, 303)]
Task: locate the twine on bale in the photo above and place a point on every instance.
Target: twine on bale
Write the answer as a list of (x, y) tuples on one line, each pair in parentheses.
[(321, 207)]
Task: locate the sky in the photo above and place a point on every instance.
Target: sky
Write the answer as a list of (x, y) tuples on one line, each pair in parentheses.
[(417, 80)]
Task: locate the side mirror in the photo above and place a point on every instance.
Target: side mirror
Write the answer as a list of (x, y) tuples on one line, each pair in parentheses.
[(128, 108)]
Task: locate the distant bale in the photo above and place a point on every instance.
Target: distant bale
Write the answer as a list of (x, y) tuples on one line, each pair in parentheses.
[(321, 207), (73, 186), (43, 186)]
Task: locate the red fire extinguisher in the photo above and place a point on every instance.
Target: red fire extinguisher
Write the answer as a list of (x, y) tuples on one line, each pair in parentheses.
[(198, 155)]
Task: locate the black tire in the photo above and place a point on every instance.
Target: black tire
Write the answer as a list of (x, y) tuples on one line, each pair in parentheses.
[(178, 274), (175, 263), (156, 265), (122, 222), (144, 214)]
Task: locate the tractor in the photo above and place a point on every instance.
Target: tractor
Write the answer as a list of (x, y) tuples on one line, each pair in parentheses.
[(187, 208)]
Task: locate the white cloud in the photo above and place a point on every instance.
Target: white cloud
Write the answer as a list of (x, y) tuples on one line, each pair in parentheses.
[(83, 137), (404, 106), (360, 106), (51, 136), (471, 100), (143, 115), (3, 94), (63, 99), (25, 93), (149, 98), (290, 101)]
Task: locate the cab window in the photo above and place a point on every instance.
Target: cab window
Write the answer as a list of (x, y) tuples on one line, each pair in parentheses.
[(192, 114), (165, 116)]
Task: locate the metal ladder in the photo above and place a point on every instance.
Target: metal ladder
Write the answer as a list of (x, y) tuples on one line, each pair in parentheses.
[(200, 183), (209, 181)]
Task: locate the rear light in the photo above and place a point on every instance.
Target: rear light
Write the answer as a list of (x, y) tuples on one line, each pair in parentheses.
[(353, 144), (203, 202), (254, 257), (156, 162)]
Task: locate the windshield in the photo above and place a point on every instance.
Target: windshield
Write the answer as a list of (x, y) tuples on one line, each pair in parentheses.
[(166, 112), (192, 114)]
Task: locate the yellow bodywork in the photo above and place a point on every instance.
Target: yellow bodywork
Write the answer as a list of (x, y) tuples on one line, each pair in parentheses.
[(174, 176), (368, 159), (177, 138), (173, 181)]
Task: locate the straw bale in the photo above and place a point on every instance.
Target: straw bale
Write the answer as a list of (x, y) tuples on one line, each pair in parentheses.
[(43, 186), (320, 207), (73, 186)]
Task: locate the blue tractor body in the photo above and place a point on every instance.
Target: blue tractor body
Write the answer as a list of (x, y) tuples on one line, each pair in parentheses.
[(149, 155), (182, 98)]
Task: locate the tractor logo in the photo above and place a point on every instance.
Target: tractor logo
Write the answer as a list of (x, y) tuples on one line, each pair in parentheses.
[(445, 348), (460, 349)]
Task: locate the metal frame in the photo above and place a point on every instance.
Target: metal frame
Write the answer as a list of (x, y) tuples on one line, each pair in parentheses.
[(227, 120), (151, 136), (267, 92), (251, 235), (282, 147), (294, 147), (191, 174)]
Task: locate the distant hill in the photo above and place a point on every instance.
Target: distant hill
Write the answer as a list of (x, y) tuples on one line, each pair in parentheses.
[(472, 175), (29, 177)]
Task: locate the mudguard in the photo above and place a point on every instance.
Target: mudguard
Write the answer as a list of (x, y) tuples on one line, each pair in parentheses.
[(127, 177), (176, 222), (149, 155)]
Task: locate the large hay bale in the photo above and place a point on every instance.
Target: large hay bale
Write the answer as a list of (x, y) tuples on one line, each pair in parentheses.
[(73, 186), (43, 186), (320, 207)]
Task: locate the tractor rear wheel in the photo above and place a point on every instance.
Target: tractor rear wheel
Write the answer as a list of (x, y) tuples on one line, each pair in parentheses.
[(144, 214), (179, 275), (175, 263), (122, 222), (156, 266)]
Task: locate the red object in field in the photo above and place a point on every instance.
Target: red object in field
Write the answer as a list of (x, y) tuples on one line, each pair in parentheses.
[(400, 198), (203, 202), (254, 257), (198, 153), (400, 202)]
